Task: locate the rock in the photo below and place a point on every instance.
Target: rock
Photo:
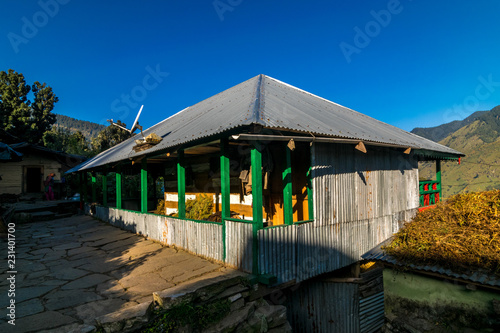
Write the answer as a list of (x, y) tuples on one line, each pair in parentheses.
[(86, 281), (285, 328), (496, 306), (233, 320), (126, 320), (275, 314), (42, 321)]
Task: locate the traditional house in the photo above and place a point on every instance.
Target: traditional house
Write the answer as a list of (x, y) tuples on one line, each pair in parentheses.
[(303, 185), (26, 173)]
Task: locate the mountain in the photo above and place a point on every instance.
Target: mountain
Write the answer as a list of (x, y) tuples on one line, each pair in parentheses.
[(440, 132), (88, 129), (478, 137)]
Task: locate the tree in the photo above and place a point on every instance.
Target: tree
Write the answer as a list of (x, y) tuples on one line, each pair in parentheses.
[(62, 139), (18, 115), (109, 137)]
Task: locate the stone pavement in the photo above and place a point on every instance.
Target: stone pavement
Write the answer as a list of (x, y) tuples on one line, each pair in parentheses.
[(72, 270)]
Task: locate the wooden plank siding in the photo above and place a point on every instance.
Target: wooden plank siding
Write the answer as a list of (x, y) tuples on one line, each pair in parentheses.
[(14, 173)]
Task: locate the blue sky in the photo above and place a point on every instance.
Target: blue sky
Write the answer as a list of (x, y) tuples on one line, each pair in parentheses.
[(407, 63)]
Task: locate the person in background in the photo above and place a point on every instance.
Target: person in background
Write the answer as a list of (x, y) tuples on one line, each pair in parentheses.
[(49, 185)]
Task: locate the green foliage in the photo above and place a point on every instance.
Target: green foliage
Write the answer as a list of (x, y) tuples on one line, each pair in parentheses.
[(61, 139), (87, 128), (185, 314), (199, 208), (109, 137), (160, 207), (21, 117)]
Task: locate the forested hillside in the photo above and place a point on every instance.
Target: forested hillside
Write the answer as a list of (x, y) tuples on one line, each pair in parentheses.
[(88, 129), (479, 139)]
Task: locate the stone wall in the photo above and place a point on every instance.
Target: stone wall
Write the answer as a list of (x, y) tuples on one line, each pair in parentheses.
[(230, 303)]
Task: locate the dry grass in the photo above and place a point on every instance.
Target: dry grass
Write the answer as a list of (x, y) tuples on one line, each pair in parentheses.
[(462, 233)]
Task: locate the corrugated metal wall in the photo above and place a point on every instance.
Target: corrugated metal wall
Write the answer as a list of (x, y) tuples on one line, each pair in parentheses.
[(277, 252), (324, 307), (239, 245), (352, 186), (204, 239)]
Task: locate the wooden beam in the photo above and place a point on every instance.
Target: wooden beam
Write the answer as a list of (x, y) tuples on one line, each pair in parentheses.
[(438, 178), (144, 185), (256, 160), (118, 175), (225, 191), (287, 187), (310, 199), (181, 185)]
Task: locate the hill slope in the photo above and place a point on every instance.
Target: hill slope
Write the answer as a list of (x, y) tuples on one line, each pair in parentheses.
[(440, 132), (479, 140), (88, 129)]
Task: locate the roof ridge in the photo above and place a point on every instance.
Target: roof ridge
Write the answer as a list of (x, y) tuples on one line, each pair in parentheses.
[(257, 105)]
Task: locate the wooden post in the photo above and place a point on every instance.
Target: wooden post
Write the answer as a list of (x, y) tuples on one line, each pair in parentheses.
[(118, 175), (181, 185), (94, 185), (225, 189), (310, 201), (438, 179), (81, 188), (144, 185), (85, 186), (105, 188), (256, 160), (287, 188)]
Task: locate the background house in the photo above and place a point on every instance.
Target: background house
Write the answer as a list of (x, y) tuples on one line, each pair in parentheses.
[(26, 175)]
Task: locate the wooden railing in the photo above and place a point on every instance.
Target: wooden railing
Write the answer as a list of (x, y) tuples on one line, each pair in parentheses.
[(430, 192)]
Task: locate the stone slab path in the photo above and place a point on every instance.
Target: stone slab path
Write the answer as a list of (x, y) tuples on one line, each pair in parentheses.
[(72, 270)]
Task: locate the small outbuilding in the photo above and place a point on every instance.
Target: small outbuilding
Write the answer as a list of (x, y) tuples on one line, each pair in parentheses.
[(26, 169)]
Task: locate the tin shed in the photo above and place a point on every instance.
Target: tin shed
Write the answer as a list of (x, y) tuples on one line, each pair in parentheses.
[(302, 186)]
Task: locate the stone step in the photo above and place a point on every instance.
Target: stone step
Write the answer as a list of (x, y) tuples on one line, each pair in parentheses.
[(42, 216), (63, 215)]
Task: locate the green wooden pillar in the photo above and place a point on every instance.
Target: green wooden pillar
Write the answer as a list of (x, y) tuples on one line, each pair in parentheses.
[(438, 179), (118, 175), (181, 185), (310, 201), (144, 185), (94, 187), (287, 187), (105, 188), (256, 160), (225, 189)]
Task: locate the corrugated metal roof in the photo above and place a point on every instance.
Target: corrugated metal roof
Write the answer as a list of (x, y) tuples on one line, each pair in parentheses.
[(270, 103), (478, 276)]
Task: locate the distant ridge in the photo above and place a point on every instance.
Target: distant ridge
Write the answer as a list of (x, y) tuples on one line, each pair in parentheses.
[(478, 137), (88, 128), (438, 133)]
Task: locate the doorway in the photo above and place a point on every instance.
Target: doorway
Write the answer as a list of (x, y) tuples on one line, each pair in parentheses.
[(33, 179)]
